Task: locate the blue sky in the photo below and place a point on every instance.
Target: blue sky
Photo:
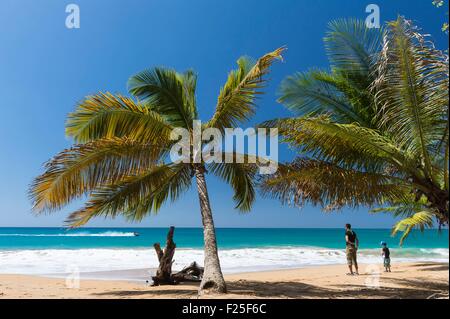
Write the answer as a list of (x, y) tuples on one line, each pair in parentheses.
[(46, 68)]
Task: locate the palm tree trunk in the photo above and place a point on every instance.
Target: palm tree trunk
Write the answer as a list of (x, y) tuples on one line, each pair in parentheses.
[(439, 200), (212, 278), (437, 197)]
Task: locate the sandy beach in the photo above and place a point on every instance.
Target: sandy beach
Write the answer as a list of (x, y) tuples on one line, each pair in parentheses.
[(408, 280)]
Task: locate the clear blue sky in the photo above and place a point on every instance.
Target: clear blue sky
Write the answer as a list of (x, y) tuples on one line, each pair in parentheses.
[(46, 68)]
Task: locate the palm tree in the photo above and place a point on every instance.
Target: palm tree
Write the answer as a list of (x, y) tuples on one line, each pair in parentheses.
[(120, 159), (373, 130)]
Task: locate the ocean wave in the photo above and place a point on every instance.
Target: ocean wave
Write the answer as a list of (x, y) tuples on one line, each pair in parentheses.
[(54, 261), (81, 234)]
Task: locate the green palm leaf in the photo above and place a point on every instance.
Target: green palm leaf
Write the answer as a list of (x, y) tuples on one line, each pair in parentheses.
[(352, 46), (404, 208), (412, 103), (236, 102), (419, 220), (344, 92), (164, 90), (315, 93), (241, 177)]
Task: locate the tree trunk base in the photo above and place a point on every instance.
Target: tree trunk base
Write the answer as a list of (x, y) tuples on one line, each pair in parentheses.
[(191, 273), (212, 285)]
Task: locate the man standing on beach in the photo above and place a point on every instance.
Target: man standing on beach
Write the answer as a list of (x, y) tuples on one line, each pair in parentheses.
[(352, 243)]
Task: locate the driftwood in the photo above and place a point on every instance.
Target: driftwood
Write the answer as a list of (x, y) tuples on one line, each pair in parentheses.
[(164, 276), (164, 272), (192, 273)]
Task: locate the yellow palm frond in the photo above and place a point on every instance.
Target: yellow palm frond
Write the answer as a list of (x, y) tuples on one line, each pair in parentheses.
[(136, 195), (419, 220), (330, 186), (350, 145), (80, 169), (107, 116)]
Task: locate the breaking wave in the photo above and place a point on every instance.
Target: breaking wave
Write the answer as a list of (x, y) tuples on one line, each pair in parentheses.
[(81, 234), (53, 261)]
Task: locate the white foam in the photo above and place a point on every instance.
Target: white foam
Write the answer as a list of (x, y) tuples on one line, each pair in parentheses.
[(54, 261), (104, 234)]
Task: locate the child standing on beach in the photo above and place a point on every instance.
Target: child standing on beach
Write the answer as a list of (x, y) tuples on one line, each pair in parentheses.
[(386, 253)]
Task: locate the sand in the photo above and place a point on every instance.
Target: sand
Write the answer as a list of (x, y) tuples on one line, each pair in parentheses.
[(418, 280)]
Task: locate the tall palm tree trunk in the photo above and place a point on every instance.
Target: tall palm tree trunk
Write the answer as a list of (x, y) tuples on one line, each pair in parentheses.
[(212, 278)]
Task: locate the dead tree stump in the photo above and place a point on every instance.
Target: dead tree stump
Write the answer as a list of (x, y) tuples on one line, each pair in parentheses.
[(164, 272), (164, 276)]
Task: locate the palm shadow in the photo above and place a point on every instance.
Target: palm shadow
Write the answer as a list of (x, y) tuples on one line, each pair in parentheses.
[(410, 289), (433, 266), (418, 288), (181, 289)]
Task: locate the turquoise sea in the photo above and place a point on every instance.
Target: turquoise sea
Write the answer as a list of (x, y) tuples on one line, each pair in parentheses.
[(228, 238), (52, 250)]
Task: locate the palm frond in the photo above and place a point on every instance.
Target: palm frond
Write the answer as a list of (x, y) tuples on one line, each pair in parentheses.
[(168, 93), (352, 46), (236, 101), (189, 80), (356, 90), (344, 92), (419, 220), (410, 98), (315, 93), (241, 177), (349, 145), (136, 195), (330, 186), (76, 171), (405, 207), (107, 116)]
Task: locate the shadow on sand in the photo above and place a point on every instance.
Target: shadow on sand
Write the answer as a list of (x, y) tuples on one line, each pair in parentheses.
[(409, 289)]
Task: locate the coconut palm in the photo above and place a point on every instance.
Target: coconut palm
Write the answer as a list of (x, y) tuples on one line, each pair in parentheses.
[(373, 130), (120, 159)]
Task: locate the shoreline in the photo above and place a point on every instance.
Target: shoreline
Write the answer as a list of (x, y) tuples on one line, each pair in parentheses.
[(141, 275), (100, 263), (407, 280)]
